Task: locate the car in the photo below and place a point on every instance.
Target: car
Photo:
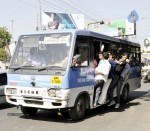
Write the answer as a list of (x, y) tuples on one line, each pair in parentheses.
[(3, 82)]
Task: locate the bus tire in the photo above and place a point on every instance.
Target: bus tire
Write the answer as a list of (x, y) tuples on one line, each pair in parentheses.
[(125, 94), (78, 111), (29, 110)]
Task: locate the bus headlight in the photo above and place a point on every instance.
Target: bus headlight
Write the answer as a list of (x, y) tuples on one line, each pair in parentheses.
[(55, 93), (11, 90), (58, 93), (52, 92)]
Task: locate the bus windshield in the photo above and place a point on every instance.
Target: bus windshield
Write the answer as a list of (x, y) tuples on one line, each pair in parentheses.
[(39, 51)]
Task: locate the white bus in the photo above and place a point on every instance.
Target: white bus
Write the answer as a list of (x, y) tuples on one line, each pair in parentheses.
[(51, 82)]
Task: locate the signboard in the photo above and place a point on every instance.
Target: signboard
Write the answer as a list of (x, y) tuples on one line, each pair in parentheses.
[(147, 45), (52, 21), (133, 17), (115, 28)]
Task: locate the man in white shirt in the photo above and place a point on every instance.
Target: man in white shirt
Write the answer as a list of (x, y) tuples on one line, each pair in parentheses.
[(101, 75)]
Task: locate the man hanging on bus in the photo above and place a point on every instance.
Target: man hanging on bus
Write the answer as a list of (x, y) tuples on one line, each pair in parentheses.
[(120, 65), (103, 96), (101, 75)]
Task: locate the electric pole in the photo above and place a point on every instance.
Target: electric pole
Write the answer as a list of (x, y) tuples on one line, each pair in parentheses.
[(12, 29), (40, 25)]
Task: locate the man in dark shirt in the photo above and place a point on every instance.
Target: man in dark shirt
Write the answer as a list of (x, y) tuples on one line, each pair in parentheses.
[(123, 76), (120, 65)]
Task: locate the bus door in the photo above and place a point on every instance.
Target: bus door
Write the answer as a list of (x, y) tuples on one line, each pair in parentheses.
[(81, 74), (135, 64)]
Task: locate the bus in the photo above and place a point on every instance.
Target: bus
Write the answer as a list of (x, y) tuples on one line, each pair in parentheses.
[(41, 74)]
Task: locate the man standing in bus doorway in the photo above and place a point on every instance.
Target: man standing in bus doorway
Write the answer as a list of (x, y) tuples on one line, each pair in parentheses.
[(120, 65), (101, 75)]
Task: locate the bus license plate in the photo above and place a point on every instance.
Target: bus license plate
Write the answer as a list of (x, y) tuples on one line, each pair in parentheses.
[(56, 80)]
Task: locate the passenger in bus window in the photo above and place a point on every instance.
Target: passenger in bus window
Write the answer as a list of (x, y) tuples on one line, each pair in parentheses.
[(103, 96), (101, 75), (76, 60), (84, 57), (120, 65), (118, 54), (96, 61)]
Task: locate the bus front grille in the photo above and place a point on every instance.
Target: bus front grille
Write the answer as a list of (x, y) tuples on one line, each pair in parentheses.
[(33, 102)]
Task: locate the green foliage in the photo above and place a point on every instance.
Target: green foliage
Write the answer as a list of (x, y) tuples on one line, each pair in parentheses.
[(5, 37), (3, 55)]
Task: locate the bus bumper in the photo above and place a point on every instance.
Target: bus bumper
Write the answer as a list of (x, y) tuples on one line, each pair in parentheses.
[(36, 97)]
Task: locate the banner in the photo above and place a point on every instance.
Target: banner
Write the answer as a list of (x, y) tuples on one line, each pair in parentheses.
[(53, 21), (116, 28), (147, 45)]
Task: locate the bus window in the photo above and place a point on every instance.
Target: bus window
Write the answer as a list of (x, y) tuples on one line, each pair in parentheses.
[(132, 56), (81, 52), (137, 56), (81, 55)]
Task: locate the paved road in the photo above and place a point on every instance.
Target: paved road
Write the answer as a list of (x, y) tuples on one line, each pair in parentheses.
[(134, 116)]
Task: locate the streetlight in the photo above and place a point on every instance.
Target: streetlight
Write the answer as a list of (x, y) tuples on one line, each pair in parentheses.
[(12, 29)]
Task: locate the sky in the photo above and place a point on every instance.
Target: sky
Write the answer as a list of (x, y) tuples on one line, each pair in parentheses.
[(25, 13)]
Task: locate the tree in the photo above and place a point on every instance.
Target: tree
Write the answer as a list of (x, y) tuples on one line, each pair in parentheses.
[(5, 37)]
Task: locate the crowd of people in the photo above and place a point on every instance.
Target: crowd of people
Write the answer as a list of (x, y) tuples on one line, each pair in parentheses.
[(110, 73), (113, 75)]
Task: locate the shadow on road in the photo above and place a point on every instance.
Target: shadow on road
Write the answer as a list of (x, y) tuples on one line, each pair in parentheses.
[(5, 106), (45, 115), (137, 94)]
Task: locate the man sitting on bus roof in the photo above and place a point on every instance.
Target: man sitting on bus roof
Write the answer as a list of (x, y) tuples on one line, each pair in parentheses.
[(101, 75)]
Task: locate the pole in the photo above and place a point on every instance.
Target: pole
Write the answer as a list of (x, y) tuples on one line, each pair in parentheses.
[(12, 29), (96, 22), (40, 28)]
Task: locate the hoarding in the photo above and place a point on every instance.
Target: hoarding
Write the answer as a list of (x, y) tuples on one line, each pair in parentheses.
[(115, 28), (52, 21), (147, 45)]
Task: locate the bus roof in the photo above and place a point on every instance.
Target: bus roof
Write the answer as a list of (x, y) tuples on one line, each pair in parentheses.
[(86, 33)]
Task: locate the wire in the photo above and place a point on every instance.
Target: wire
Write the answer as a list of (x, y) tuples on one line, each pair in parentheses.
[(68, 6), (28, 4), (89, 6), (61, 6)]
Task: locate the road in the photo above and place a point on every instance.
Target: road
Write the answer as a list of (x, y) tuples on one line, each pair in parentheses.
[(134, 116)]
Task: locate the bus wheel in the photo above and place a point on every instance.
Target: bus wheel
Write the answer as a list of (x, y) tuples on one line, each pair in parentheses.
[(78, 111), (125, 95), (29, 110)]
